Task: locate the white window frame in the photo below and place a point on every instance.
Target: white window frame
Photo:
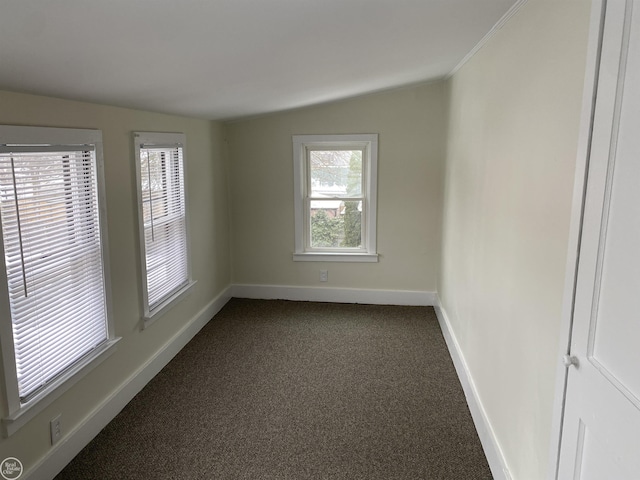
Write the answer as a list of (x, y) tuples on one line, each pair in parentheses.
[(302, 144), (171, 140), (19, 413)]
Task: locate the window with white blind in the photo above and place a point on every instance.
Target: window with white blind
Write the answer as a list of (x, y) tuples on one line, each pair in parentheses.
[(54, 288), (162, 218)]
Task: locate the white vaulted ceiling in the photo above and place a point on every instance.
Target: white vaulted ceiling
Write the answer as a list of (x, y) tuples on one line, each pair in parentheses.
[(222, 59)]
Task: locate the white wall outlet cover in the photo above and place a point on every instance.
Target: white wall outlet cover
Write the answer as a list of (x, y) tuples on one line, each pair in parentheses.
[(56, 429)]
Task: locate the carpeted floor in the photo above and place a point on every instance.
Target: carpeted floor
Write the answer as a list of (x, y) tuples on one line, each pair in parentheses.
[(297, 390)]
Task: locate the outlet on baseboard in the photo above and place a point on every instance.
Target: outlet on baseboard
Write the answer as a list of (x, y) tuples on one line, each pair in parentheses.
[(56, 429), (324, 275)]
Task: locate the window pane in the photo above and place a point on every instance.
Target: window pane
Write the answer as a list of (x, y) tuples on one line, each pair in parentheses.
[(336, 224), (336, 173)]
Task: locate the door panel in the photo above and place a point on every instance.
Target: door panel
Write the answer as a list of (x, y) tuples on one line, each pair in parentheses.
[(604, 428), (601, 426), (620, 263), (598, 462)]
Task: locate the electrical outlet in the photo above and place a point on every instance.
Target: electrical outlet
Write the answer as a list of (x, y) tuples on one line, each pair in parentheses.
[(324, 275), (56, 429)]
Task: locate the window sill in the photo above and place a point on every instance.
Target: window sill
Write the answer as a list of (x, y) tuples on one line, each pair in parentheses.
[(161, 309), (12, 423), (335, 257)]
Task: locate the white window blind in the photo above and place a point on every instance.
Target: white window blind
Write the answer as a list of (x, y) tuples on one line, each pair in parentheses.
[(53, 257), (162, 198)]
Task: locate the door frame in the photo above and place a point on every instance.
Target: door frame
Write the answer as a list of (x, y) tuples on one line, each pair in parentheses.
[(606, 104)]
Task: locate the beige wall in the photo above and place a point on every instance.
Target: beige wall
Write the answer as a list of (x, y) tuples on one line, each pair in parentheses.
[(208, 210), (514, 111), (410, 127)]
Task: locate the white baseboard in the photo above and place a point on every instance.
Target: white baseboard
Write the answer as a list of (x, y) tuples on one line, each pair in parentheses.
[(60, 455), (491, 447), (336, 295)]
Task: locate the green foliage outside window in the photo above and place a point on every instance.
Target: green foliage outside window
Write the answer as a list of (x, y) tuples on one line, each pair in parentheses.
[(325, 230)]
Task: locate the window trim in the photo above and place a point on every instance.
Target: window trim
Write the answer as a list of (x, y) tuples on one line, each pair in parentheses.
[(18, 414), (369, 144), (159, 139)]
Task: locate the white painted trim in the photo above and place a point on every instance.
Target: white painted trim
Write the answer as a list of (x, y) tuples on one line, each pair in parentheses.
[(64, 451), (336, 295), (165, 306), (483, 41), (575, 228), (19, 414), (369, 145), (49, 135), (335, 257), (492, 450), (177, 141)]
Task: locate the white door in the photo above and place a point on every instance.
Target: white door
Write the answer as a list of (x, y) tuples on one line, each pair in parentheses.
[(601, 426)]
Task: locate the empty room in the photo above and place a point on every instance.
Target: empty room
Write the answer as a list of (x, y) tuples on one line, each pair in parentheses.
[(338, 239)]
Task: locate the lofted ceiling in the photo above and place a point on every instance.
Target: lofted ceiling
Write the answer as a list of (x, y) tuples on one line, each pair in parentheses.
[(222, 59)]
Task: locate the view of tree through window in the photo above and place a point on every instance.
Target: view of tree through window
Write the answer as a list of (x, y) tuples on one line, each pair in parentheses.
[(336, 185)]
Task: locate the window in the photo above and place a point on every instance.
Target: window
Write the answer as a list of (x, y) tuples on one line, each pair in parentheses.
[(335, 178), (54, 282), (162, 218)]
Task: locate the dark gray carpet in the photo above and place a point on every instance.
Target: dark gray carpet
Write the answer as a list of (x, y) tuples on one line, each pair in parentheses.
[(297, 390)]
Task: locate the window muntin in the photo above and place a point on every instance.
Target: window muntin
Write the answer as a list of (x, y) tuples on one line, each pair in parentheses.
[(335, 196), (163, 219), (54, 277)]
